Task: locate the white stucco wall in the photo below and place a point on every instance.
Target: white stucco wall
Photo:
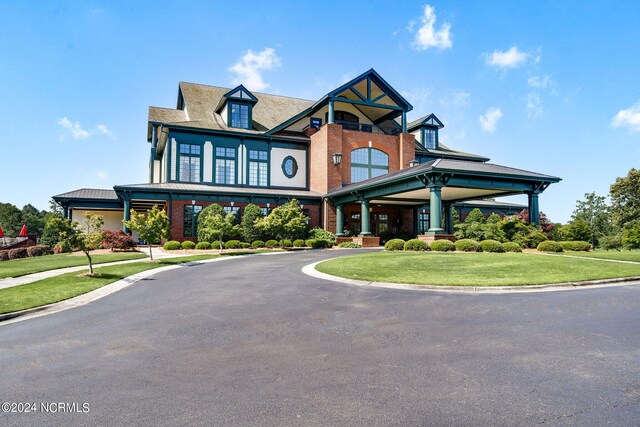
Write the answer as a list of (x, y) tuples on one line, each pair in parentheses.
[(223, 114), (242, 164), (418, 135), (174, 151), (157, 165), (207, 165), (112, 218), (278, 178)]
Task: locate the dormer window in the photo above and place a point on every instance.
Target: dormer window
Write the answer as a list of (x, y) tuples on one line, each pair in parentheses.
[(239, 115), (430, 138)]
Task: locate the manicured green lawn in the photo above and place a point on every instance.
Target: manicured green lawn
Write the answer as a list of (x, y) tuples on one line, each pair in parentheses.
[(473, 269), (69, 285), (20, 267), (622, 255)]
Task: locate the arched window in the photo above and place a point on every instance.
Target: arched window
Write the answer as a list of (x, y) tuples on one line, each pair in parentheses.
[(368, 163)]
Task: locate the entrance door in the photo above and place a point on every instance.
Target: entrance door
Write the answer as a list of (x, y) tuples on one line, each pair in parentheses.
[(379, 223)]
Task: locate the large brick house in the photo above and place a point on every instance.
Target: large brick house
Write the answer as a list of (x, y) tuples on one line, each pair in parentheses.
[(351, 158)]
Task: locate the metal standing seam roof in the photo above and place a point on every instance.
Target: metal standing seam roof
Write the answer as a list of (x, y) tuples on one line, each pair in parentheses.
[(448, 165), (89, 193)]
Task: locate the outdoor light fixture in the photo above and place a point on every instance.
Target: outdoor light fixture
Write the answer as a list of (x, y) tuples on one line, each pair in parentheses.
[(193, 202), (413, 163), (337, 158)]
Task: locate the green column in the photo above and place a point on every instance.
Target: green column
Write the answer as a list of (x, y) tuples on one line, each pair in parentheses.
[(435, 213), (404, 121), (127, 214), (364, 213), (339, 221), (330, 115), (448, 215), (534, 209), (65, 210)]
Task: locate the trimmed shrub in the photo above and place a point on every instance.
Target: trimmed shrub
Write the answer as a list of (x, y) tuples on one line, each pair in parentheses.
[(245, 245), (350, 245), (257, 244), (286, 243), (38, 250), (491, 246), (299, 243), (320, 243), (216, 244), (309, 242), (467, 245), (416, 245), (511, 247), (319, 233), (394, 245), (188, 244), (17, 253), (203, 246), (271, 243), (172, 245), (117, 239), (577, 246), (4, 255), (442, 246), (611, 243), (549, 246), (233, 244), (62, 247)]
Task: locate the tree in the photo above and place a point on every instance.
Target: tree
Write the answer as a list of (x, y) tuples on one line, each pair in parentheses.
[(215, 224), (577, 229), (545, 223), (631, 237), (284, 222), (595, 212), (625, 199), (33, 219), (10, 219), (85, 237), (151, 226), (249, 231), (55, 230)]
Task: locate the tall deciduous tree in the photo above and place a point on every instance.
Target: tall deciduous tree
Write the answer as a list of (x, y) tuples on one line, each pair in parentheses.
[(594, 211), (215, 223), (10, 219), (33, 219), (625, 199), (284, 222), (151, 226)]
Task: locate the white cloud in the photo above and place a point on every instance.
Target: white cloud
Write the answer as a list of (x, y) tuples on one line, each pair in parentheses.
[(541, 82), (629, 118), (511, 58), (104, 130), (249, 68), (534, 105), (427, 35), (489, 120), (101, 174), (456, 99), (74, 129)]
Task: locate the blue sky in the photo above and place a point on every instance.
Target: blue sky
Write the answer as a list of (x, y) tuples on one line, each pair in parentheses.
[(546, 86)]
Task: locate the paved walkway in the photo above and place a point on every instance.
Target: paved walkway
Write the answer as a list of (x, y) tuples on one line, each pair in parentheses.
[(10, 282)]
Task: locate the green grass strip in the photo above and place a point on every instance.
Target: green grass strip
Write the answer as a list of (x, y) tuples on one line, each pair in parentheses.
[(620, 256), (69, 285), (473, 269), (21, 267)]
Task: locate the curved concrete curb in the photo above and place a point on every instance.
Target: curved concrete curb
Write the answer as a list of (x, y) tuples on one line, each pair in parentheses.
[(310, 270), (80, 300)]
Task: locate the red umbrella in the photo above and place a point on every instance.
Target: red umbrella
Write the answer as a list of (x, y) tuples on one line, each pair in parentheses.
[(1, 232), (23, 232)]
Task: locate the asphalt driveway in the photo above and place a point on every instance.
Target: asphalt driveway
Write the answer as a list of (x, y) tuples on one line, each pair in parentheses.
[(253, 341)]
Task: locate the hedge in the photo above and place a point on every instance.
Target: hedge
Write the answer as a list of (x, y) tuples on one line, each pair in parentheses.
[(203, 245), (442, 246), (18, 253), (286, 243), (271, 243), (578, 246), (172, 245), (245, 245), (38, 250), (319, 243), (511, 247), (549, 246), (233, 244), (188, 244), (257, 244), (468, 245), (299, 243), (491, 246), (394, 245), (416, 245), (4, 255), (350, 245), (117, 239), (216, 244)]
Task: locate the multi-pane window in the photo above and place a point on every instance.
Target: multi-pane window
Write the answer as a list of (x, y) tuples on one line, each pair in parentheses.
[(266, 211), (235, 210), (356, 226), (189, 163), (190, 220), (225, 165), (383, 223), (423, 221), (368, 163), (430, 139), (239, 115), (258, 167)]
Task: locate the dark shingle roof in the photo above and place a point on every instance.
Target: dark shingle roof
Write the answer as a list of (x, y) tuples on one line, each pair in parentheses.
[(187, 187), (88, 193)]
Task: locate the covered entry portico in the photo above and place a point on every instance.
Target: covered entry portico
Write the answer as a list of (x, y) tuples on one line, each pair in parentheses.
[(439, 183)]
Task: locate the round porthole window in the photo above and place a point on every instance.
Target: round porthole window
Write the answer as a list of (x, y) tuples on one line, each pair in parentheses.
[(289, 167)]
